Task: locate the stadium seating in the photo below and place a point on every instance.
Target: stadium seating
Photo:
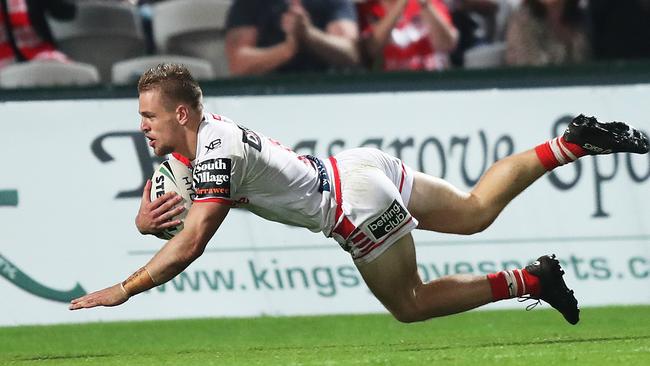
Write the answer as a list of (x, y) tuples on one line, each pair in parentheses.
[(128, 71), (47, 73), (484, 56), (506, 8), (192, 28), (102, 33)]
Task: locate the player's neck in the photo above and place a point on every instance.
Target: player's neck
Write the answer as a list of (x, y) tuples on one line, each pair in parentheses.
[(187, 146)]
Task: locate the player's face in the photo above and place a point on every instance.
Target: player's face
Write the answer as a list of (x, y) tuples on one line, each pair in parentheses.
[(158, 123)]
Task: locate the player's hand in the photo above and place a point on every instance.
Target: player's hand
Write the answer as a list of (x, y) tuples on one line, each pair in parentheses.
[(155, 216), (110, 296)]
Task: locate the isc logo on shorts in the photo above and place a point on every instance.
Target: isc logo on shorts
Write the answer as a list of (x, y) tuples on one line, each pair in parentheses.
[(389, 220)]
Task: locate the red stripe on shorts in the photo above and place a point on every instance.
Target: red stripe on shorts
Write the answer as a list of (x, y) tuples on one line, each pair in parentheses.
[(359, 237), (370, 249), (401, 182), (345, 227), (365, 244)]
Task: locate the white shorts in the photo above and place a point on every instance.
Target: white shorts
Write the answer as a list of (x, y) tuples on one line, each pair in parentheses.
[(372, 191)]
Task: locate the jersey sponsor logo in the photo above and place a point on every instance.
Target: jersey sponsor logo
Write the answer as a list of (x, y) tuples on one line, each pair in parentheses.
[(251, 138), (215, 144), (212, 178), (389, 220)]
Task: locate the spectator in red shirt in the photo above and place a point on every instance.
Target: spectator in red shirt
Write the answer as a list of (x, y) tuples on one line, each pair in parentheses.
[(24, 33), (407, 34)]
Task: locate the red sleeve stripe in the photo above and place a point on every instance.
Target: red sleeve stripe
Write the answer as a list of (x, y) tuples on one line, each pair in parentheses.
[(217, 200)]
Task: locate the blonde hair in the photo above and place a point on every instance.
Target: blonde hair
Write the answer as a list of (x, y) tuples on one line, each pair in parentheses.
[(175, 82)]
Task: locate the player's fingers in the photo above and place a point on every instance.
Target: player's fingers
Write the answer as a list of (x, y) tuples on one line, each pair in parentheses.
[(166, 217), (169, 224), (146, 192), (167, 205), (173, 212), (165, 198), (80, 304), (76, 306), (82, 298)]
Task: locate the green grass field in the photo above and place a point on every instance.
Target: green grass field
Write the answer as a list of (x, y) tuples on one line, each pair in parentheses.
[(605, 336)]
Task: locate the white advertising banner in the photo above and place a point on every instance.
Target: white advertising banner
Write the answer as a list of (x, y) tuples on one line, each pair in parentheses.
[(72, 173)]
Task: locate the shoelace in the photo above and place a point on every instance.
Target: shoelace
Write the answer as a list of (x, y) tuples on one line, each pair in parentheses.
[(531, 306)]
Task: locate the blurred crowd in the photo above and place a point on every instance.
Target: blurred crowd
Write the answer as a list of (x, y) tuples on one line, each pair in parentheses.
[(291, 36)]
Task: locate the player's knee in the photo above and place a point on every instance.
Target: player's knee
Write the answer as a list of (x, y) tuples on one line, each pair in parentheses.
[(475, 217), (404, 317), (478, 224), (473, 225), (409, 314), (479, 219)]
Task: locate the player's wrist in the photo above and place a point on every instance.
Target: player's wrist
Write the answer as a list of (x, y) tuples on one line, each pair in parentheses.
[(138, 282), (141, 225), (124, 290)]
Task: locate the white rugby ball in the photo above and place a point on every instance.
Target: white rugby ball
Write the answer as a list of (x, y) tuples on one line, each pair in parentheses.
[(173, 176)]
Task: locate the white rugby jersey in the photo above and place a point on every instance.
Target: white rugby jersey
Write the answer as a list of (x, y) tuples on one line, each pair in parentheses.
[(238, 166)]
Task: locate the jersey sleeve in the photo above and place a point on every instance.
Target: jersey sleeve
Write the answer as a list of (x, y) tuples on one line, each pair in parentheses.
[(218, 166)]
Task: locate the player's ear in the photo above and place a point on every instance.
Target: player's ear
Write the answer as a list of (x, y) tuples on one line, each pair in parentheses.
[(182, 114)]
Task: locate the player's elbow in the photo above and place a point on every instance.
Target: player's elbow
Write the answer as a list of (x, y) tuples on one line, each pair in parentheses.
[(190, 249), (196, 250), (189, 255)]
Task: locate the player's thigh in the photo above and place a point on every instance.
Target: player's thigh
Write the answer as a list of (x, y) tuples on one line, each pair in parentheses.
[(439, 206), (392, 276), (375, 208)]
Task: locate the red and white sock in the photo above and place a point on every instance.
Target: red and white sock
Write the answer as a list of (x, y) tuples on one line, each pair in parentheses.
[(513, 283), (558, 151)]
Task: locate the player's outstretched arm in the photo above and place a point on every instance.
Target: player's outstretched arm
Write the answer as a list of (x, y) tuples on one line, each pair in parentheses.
[(155, 216), (201, 223)]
